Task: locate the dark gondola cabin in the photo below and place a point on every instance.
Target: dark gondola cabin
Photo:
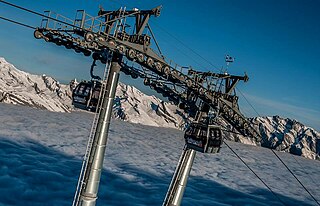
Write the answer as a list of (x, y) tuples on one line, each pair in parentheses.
[(86, 95), (203, 138)]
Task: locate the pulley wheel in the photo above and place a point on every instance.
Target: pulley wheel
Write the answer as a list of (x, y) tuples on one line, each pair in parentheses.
[(189, 83), (37, 34), (166, 70), (158, 66), (150, 62), (89, 37), (174, 73), (225, 108), (235, 118), (140, 57), (101, 39), (121, 49), (131, 54), (201, 91)]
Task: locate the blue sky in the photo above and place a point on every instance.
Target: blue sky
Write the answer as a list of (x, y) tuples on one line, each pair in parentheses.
[(277, 42)]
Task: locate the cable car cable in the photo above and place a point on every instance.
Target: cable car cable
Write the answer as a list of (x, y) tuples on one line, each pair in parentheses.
[(281, 159), (248, 102), (37, 13), (16, 22), (314, 182), (265, 184), (185, 45), (295, 177), (180, 50)]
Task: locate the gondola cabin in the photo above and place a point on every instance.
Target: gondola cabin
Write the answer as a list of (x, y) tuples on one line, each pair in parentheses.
[(203, 138), (86, 95)]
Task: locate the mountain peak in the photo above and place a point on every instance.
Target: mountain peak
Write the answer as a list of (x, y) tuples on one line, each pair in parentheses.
[(130, 104), (289, 135), (22, 88)]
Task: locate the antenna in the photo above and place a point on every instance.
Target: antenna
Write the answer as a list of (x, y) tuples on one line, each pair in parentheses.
[(229, 59)]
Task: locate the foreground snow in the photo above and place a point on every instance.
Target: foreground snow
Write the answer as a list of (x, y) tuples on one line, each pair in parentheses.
[(41, 152)]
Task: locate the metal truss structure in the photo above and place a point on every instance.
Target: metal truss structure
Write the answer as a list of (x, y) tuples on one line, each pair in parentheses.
[(121, 38)]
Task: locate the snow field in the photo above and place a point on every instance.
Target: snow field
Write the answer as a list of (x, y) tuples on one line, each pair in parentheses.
[(41, 154)]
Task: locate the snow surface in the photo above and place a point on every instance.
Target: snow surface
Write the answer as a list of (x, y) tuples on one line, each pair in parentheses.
[(41, 154)]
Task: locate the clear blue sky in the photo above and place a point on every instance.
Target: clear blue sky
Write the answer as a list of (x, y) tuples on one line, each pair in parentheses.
[(277, 42)]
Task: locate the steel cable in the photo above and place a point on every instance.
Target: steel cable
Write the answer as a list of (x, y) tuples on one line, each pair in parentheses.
[(278, 157), (265, 184), (16, 22)]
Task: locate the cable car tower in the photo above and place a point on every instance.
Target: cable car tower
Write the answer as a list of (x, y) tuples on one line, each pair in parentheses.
[(122, 40)]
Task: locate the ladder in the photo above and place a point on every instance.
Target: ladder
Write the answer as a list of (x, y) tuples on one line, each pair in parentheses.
[(81, 182)]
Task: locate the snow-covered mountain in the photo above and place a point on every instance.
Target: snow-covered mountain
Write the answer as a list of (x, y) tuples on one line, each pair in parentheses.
[(289, 135), (22, 88), (18, 87), (134, 106), (282, 134)]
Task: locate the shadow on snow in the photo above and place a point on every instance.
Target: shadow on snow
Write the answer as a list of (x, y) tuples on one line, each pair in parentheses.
[(32, 174)]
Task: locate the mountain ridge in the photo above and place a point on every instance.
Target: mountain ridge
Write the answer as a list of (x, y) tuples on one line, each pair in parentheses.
[(43, 92)]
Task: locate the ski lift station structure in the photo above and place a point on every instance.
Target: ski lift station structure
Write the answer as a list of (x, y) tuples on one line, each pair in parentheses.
[(200, 94), (194, 91)]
